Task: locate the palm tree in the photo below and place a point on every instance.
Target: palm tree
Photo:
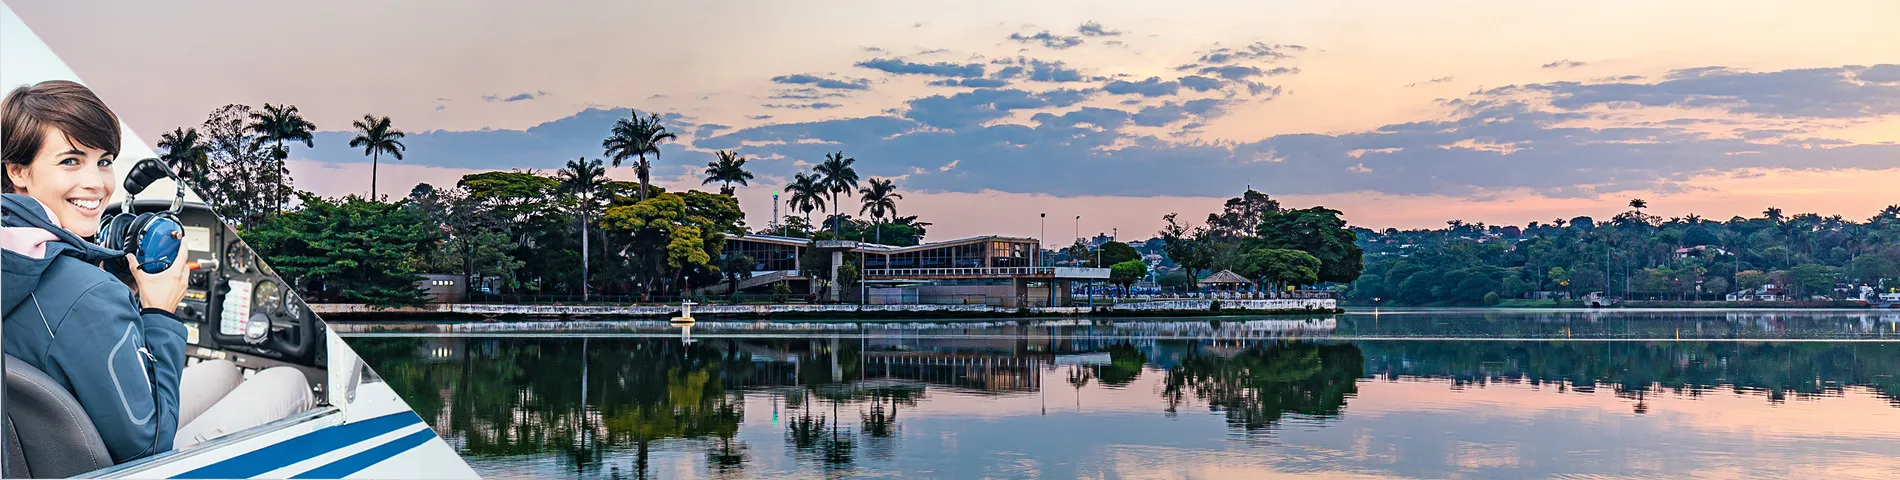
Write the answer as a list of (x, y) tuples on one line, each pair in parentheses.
[(188, 156), (1638, 204), (583, 178), (807, 194), (729, 168), (376, 137), (880, 199), (635, 137), (278, 123), (1773, 214), (837, 176)]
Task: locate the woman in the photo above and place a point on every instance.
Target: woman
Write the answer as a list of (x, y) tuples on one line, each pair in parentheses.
[(119, 350)]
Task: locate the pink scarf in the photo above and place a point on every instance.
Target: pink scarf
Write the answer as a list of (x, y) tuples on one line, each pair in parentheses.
[(29, 241)]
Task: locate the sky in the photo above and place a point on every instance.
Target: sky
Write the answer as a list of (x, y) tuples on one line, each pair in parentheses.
[(987, 114)]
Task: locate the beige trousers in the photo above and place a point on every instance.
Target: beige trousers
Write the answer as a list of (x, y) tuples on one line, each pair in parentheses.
[(216, 400)]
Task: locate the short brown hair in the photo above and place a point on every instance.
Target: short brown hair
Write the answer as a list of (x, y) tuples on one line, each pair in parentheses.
[(68, 107)]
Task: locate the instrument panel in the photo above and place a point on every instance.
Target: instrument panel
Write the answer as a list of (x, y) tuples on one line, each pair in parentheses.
[(236, 310)]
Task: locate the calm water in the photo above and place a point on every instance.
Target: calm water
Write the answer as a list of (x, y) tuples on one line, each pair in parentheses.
[(1401, 394)]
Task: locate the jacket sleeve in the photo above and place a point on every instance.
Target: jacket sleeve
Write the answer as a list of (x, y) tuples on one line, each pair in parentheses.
[(124, 368)]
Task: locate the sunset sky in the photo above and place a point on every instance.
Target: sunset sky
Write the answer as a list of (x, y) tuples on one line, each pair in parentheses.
[(1399, 113)]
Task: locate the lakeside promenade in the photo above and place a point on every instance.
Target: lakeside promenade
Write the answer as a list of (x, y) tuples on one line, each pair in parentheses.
[(359, 312)]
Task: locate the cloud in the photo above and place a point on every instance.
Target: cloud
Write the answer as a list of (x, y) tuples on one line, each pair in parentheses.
[(984, 105), (1257, 88), (939, 69), (1152, 87), (1888, 73), (710, 129), (949, 166), (545, 146), (1239, 72), (803, 106), (1093, 29), (1038, 70), (970, 82), (1566, 63), (1047, 39), (822, 82), (804, 93), (1551, 137), (758, 117), (1435, 80), (1199, 83), (1256, 51), (1797, 93), (519, 97), (1102, 118)]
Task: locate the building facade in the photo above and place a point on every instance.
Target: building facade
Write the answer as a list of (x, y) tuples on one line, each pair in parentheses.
[(994, 270)]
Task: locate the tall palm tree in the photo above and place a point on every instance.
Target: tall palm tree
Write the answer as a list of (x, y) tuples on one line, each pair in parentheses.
[(729, 168), (377, 137), (837, 176), (1773, 214), (636, 137), (880, 200), (277, 124), (807, 194), (583, 178), (1639, 204), (188, 156)]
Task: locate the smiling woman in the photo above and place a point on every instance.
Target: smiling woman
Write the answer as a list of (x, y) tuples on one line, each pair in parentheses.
[(59, 150)]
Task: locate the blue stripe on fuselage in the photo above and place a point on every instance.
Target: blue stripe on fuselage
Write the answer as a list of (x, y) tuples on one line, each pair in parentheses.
[(307, 446), (363, 459)]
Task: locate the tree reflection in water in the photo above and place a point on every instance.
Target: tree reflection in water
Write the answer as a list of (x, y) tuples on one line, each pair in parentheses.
[(1255, 386), (577, 399)]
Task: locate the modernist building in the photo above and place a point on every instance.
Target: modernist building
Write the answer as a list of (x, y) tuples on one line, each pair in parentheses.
[(993, 270)]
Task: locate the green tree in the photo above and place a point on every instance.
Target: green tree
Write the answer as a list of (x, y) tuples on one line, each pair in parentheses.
[(185, 151), (1126, 273), (880, 200), (1812, 279), (1321, 233), (728, 169), (1111, 253), (1279, 267), (1190, 249), (837, 176), (376, 137), (348, 250), (636, 137), (233, 155), (807, 194), (581, 180), (278, 124)]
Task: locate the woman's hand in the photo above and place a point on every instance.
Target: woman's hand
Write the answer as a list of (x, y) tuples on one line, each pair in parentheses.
[(162, 290)]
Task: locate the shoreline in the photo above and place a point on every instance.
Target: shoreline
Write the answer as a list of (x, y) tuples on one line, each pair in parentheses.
[(354, 313)]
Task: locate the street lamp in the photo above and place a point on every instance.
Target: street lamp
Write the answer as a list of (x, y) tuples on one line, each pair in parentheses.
[(1042, 233)]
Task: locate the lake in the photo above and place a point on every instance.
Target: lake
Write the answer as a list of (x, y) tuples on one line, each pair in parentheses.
[(1423, 393)]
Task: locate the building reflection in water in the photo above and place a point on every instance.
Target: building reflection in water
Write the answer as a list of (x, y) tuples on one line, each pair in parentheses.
[(602, 405)]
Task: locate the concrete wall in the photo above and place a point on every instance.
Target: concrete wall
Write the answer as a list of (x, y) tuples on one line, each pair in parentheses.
[(668, 310), (1265, 304)]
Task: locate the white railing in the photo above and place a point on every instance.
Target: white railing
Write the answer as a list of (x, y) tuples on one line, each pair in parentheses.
[(958, 271)]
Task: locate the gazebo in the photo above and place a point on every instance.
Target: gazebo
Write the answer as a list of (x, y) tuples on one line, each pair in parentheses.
[(1226, 281)]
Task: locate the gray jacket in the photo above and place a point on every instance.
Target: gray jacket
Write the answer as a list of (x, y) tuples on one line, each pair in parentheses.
[(84, 328)]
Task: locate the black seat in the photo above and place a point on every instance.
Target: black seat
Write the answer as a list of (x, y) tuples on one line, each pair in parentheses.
[(48, 435)]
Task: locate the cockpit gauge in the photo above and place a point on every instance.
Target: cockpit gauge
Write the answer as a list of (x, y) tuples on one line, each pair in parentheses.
[(267, 296), (237, 257)]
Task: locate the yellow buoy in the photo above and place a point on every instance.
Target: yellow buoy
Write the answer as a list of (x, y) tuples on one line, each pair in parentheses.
[(686, 313)]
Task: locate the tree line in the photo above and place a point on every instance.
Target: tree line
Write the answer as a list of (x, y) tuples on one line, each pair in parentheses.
[(1257, 238), (1633, 255), (573, 231)]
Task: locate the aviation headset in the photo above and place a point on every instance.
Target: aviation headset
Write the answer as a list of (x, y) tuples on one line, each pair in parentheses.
[(155, 239)]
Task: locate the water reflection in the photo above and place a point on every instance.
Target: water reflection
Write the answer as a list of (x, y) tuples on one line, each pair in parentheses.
[(1070, 402)]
